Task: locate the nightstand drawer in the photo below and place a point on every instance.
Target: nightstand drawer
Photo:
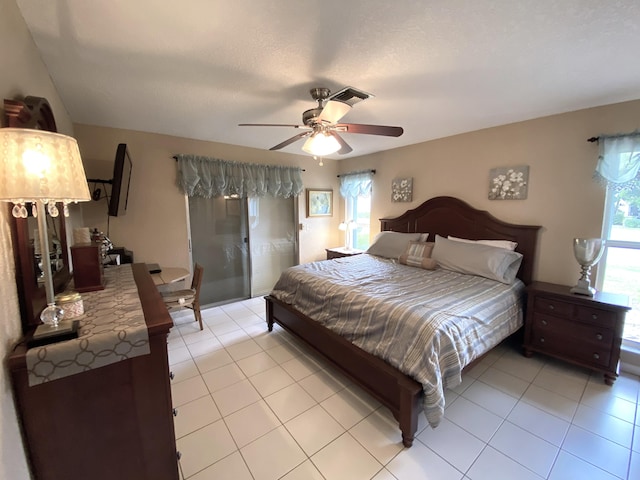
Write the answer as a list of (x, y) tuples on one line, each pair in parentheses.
[(549, 326), (596, 316), (577, 351), (552, 306)]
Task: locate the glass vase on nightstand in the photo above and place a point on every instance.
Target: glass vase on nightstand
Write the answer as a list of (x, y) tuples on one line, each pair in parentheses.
[(588, 252)]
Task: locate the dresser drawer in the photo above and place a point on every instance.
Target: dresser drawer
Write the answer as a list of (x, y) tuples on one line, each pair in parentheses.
[(596, 316), (585, 353), (549, 326), (552, 306)]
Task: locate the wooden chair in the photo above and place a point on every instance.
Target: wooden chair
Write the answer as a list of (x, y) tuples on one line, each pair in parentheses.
[(189, 298)]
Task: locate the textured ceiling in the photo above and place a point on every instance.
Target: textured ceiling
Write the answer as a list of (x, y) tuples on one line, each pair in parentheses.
[(197, 68)]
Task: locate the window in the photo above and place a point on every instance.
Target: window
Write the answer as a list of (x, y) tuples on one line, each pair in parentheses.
[(356, 189), (358, 210), (619, 270)]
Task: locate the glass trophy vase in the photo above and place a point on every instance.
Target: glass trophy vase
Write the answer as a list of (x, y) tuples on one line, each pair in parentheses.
[(587, 252)]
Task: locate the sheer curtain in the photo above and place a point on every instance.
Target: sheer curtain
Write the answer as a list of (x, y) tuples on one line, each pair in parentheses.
[(619, 160), (212, 177), (356, 184)]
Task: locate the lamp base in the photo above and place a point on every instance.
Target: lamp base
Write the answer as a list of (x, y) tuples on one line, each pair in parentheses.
[(583, 288), (46, 334)]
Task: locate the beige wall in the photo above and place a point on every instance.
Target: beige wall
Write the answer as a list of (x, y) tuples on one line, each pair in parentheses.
[(23, 73), (155, 226), (562, 197)]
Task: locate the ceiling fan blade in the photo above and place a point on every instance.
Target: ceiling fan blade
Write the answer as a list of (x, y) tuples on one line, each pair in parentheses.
[(295, 138), (333, 111), (271, 125), (344, 146), (370, 129)]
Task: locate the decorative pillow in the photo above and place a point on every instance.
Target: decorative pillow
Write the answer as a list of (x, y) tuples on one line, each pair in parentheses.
[(391, 244), (492, 243), (424, 237), (476, 259), (418, 254)]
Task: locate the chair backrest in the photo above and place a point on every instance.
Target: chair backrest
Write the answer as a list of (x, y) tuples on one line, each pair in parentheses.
[(196, 282)]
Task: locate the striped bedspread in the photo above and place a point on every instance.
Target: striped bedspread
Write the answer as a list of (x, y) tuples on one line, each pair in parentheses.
[(428, 324)]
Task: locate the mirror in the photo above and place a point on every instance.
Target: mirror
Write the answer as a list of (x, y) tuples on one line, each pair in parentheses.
[(35, 113)]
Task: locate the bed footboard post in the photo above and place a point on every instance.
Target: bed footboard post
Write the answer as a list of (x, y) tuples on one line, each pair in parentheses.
[(410, 394), (269, 313)]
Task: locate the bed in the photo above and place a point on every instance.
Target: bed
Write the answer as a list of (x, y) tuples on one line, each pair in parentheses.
[(398, 391)]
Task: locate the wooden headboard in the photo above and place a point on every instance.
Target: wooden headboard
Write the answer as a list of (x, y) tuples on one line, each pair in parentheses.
[(450, 216)]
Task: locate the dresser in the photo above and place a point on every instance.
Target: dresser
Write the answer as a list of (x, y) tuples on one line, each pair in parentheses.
[(106, 423), (583, 330)]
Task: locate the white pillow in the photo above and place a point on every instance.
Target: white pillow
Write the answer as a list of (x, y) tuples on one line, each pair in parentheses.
[(492, 243), (391, 244), (476, 259)]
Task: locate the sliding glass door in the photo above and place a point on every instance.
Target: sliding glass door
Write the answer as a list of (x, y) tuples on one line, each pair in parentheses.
[(219, 242), (273, 240), (243, 244)]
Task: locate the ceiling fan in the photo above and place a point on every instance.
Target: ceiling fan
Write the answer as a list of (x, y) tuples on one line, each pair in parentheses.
[(321, 126)]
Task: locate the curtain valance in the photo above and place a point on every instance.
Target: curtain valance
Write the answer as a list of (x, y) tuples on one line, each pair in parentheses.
[(212, 177), (355, 184), (619, 160)]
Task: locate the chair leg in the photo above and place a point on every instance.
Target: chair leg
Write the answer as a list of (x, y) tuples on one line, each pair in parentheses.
[(198, 315)]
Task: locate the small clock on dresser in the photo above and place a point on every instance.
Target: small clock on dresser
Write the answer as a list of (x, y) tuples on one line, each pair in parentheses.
[(583, 330)]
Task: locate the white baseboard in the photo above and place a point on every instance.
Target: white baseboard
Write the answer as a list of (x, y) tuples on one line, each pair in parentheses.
[(630, 359)]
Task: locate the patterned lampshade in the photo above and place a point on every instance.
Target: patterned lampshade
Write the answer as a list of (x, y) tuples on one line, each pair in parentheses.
[(36, 165)]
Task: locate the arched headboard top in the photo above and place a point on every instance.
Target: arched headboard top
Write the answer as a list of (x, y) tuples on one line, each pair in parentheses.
[(451, 216)]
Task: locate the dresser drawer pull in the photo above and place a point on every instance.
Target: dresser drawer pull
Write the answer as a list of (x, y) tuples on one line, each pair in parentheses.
[(175, 412), (171, 375), (178, 455), (594, 316), (551, 307), (596, 356), (599, 336), (541, 339), (544, 322)]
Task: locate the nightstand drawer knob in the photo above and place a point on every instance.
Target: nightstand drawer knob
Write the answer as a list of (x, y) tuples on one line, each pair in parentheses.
[(594, 316), (596, 356), (551, 307), (542, 340), (599, 336), (544, 322), (171, 375), (175, 412)]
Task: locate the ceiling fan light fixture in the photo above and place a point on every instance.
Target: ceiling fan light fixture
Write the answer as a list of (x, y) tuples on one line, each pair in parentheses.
[(320, 144)]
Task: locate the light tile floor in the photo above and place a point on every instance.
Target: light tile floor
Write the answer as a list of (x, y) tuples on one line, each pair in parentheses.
[(259, 406)]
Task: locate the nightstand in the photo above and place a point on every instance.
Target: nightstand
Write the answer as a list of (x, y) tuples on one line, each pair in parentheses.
[(583, 330), (339, 252)]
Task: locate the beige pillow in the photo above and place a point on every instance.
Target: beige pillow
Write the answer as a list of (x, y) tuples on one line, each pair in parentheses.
[(509, 245), (391, 244), (418, 254), (476, 259)]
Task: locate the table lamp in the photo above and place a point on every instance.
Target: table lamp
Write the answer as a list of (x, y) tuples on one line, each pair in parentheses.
[(347, 228), (43, 168)]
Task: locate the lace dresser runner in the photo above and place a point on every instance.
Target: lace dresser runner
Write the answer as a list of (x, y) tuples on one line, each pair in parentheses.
[(111, 329)]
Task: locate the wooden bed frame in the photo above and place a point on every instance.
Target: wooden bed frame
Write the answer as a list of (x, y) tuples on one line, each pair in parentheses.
[(397, 391)]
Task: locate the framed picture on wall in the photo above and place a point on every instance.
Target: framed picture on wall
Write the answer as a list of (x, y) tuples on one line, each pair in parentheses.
[(319, 203)]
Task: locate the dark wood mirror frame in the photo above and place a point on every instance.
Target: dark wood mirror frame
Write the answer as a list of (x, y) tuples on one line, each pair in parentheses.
[(35, 113)]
